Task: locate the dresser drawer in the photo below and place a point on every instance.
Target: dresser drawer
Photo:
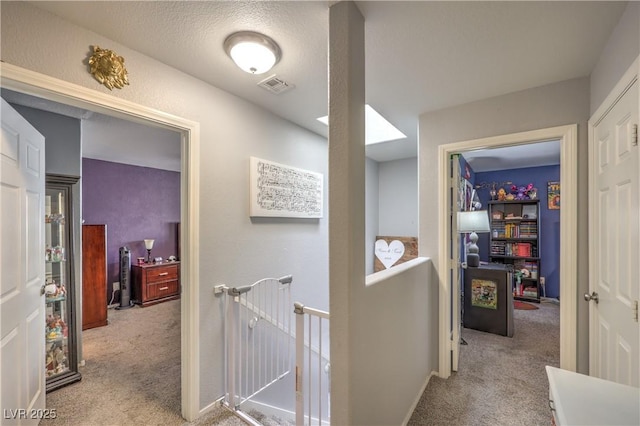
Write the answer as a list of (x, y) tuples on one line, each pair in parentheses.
[(160, 290), (155, 283), (166, 273)]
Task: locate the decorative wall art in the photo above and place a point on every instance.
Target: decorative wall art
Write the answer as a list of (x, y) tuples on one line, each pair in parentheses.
[(283, 191), (553, 195), (391, 251), (108, 68), (484, 294)]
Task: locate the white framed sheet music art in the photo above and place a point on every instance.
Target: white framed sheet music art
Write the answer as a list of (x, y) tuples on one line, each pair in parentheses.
[(277, 190)]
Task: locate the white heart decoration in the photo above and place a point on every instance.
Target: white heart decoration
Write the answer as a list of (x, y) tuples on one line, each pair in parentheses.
[(389, 254)]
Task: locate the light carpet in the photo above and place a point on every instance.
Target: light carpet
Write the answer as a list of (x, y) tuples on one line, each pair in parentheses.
[(501, 380)]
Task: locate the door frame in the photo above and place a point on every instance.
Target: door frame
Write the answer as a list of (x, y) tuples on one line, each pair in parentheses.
[(32, 83), (568, 136)]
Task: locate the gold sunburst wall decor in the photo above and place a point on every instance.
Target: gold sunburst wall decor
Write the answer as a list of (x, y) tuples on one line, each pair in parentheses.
[(108, 68)]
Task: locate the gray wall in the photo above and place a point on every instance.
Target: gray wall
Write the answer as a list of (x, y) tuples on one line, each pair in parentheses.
[(62, 139), (231, 130), (398, 203), (391, 202), (618, 54), (371, 212), (548, 106)]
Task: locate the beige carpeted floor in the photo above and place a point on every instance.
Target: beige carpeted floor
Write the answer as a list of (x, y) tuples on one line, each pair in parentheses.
[(132, 374), (501, 380)]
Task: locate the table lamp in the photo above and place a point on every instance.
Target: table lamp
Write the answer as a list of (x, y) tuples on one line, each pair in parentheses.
[(473, 222), (148, 245)]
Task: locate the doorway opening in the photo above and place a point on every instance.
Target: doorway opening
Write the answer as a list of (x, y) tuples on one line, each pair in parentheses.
[(449, 295), (31, 83)]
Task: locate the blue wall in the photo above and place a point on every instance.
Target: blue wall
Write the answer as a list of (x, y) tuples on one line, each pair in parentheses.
[(549, 219)]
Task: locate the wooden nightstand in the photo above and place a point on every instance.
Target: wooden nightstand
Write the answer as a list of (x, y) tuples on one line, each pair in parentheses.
[(155, 283)]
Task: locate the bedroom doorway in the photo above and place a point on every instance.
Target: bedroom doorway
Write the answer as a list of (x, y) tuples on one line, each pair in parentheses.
[(24, 81), (450, 296)]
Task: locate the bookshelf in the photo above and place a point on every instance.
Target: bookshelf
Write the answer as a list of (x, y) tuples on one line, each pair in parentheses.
[(515, 240)]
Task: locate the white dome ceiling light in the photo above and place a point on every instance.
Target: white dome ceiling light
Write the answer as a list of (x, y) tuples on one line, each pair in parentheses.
[(254, 53)]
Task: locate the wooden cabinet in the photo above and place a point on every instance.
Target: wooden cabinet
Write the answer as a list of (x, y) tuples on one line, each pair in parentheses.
[(515, 240), (94, 276), (155, 283)]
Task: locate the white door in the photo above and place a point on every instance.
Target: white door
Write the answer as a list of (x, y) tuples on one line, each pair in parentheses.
[(614, 223), (22, 350)]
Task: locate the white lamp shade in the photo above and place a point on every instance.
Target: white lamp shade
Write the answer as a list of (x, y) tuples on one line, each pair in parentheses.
[(148, 244), (473, 221), (252, 52), (252, 58)]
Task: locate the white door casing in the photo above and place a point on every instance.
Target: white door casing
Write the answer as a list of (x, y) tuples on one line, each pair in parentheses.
[(568, 137), (614, 224), (22, 307), (456, 323)]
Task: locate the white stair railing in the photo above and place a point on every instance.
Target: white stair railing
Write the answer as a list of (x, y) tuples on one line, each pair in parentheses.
[(258, 337), (313, 385)]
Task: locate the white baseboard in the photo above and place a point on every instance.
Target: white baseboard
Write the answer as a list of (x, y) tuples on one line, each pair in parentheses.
[(417, 399), (211, 407)]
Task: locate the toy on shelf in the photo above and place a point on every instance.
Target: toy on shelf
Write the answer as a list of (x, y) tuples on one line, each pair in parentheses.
[(524, 192), (56, 328), (502, 194)]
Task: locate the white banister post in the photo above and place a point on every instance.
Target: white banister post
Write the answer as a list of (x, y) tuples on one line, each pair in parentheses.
[(299, 310), (232, 311)]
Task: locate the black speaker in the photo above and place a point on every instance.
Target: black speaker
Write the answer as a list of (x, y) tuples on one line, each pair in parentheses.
[(125, 278)]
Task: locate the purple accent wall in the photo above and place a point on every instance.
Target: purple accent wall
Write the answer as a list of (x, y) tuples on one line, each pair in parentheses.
[(135, 203), (549, 219)]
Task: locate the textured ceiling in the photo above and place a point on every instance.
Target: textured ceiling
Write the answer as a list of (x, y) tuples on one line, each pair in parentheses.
[(420, 56)]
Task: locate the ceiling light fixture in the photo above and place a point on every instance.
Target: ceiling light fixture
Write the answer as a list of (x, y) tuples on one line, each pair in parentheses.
[(253, 52)]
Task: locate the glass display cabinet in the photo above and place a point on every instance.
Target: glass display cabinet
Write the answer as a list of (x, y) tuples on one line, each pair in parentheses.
[(61, 358)]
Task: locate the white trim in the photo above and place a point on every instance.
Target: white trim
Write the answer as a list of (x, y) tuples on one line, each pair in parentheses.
[(444, 293), (386, 274), (43, 86), (417, 399), (629, 77), (627, 80), (568, 232)]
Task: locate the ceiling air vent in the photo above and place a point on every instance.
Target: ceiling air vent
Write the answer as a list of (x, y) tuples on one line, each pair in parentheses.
[(275, 85)]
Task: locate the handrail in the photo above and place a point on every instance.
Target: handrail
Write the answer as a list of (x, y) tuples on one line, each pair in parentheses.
[(299, 308)]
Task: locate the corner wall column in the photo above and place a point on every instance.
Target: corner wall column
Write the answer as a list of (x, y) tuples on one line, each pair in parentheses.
[(346, 196)]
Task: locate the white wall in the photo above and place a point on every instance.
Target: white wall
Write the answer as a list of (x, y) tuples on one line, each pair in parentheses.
[(393, 351), (371, 212), (557, 104), (617, 56), (234, 249), (398, 202)]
